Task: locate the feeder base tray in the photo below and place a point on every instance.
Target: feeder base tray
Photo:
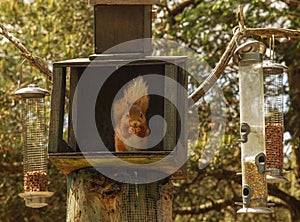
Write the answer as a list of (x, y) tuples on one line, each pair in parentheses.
[(36, 199), (260, 210)]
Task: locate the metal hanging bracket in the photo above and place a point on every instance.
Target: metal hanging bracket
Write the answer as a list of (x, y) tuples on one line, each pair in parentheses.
[(245, 130)]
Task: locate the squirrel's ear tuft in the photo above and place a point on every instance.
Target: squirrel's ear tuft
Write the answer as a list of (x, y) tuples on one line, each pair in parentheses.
[(120, 107), (136, 89), (143, 103), (135, 94)]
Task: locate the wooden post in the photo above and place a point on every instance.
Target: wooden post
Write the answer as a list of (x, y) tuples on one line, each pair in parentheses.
[(94, 197), (57, 112)]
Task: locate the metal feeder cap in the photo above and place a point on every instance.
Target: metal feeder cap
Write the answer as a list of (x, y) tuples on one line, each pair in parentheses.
[(271, 68), (32, 91), (250, 46)]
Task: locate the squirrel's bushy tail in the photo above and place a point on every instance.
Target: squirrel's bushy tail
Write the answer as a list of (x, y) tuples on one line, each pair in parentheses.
[(135, 93)]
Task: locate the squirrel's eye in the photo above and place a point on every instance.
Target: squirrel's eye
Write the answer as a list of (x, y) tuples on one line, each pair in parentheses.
[(127, 115), (141, 115)]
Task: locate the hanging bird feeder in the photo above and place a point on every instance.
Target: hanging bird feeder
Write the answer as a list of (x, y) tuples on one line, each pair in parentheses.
[(253, 157), (273, 77), (34, 146)]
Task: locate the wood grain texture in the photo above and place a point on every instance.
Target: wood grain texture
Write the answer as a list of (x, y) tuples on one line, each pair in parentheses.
[(116, 24)]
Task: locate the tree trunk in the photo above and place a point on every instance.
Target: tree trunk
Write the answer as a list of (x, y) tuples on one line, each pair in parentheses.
[(292, 120), (94, 197)]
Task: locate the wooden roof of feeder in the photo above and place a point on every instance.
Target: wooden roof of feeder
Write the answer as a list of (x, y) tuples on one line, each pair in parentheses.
[(124, 2)]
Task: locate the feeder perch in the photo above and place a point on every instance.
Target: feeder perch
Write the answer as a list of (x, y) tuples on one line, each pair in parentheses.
[(253, 158), (273, 77), (34, 146)]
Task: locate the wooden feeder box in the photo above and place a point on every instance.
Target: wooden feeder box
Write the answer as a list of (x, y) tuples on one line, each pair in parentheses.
[(117, 22), (63, 147)]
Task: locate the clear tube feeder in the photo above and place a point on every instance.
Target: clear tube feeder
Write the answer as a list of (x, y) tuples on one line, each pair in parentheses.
[(253, 157), (34, 141), (274, 120)]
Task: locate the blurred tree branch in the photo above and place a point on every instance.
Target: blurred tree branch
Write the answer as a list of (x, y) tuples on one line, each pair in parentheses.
[(241, 32), (178, 8), (204, 208), (291, 201), (292, 3), (269, 32), (35, 61), (11, 167)]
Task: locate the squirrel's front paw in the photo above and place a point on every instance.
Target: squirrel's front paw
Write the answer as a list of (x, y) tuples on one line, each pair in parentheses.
[(143, 132), (131, 130), (136, 130)]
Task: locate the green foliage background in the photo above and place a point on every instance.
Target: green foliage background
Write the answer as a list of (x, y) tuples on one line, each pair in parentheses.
[(57, 30)]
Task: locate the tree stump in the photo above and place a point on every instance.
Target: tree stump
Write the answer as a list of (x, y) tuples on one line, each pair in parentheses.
[(94, 197)]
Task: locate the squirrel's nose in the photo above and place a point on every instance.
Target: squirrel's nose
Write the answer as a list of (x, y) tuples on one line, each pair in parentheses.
[(134, 124)]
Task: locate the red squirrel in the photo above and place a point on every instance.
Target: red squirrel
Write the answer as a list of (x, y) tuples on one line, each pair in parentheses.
[(129, 113)]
